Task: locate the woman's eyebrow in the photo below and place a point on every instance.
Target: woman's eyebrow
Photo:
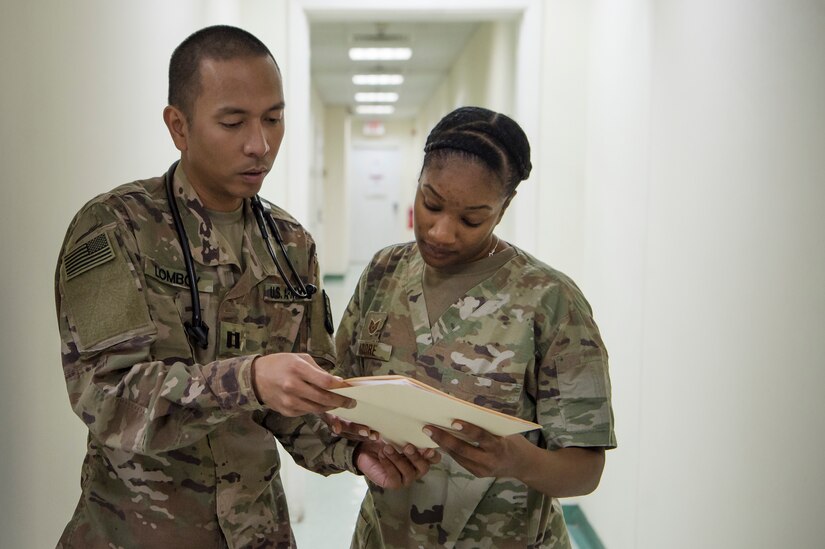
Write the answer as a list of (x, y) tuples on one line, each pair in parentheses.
[(432, 190)]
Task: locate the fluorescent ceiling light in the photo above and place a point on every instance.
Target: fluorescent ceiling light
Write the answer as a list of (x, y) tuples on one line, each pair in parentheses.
[(374, 109), (377, 79), (376, 97), (380, 54)]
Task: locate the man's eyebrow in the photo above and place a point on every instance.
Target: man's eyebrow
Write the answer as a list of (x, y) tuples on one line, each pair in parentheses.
[(229, 109), (432, 190)]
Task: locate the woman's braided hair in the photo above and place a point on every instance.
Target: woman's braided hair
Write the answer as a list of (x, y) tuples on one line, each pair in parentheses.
[(479, 134)]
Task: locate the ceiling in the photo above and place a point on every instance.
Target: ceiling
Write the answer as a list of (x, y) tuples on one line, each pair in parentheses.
[(435, 47)]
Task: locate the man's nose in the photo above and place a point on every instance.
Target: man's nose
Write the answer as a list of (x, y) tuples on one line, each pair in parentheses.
[(256, 143)]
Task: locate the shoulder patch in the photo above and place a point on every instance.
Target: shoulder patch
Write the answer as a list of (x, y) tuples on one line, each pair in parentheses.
[(106, 305), (88, 255)]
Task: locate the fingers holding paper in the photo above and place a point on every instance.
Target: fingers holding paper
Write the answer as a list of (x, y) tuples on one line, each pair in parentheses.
[(389, 468), (349, 429), (480, 452), (294, 385)]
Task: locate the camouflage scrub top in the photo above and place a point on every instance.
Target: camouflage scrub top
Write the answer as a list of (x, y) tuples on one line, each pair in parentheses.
[(180, 451), (522, 342)]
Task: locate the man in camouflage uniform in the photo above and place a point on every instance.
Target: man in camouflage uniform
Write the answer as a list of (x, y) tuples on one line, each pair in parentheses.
[(469, 314), (181, 450)]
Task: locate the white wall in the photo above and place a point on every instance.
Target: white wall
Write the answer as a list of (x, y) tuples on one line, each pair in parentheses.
[(81, 113), (84, 86), (734, 304), (481, 75), (694, 178), (334, 257)]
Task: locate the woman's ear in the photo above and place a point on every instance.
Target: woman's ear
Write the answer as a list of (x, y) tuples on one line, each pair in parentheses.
[(178, 127)]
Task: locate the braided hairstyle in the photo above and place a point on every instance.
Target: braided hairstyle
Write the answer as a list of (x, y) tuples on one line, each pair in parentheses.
[(477, 134)]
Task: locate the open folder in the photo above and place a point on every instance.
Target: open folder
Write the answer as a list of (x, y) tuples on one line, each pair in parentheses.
[(398, 407)]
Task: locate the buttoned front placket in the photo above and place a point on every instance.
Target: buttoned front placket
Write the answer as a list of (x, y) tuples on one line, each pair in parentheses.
[(226, 312)]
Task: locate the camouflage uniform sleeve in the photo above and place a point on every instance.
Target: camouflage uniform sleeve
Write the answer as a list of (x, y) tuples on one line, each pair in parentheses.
[(573, 403), (311, 444), (128, 399)]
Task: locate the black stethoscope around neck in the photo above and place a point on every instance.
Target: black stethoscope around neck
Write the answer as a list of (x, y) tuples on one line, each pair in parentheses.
[(197, 330)]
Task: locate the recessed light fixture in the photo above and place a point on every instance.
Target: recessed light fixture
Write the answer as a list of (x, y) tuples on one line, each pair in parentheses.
[(377, 79), (380, 54), (376, 97), (374, 109)]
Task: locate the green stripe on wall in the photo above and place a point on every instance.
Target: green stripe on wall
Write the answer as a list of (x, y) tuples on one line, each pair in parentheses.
[(580, 530)]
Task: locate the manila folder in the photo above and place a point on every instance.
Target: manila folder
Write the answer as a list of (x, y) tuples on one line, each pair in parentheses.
[(398, 407)]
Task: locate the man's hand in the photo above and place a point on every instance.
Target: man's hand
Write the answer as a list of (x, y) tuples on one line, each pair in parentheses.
[(294, 385), (386, 467)]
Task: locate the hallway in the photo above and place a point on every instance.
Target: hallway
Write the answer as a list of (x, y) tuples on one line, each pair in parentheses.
[(678, 179)]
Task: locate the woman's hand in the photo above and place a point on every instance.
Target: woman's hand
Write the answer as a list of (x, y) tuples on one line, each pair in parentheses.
[(565, 472), (482, 453)]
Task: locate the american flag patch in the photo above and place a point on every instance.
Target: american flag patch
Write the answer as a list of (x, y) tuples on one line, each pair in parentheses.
[(88, 255)]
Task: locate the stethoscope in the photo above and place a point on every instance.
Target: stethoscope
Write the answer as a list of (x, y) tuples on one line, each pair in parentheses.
[(197, 330)]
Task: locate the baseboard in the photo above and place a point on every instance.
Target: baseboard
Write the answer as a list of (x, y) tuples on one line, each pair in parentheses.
[(579, 527)]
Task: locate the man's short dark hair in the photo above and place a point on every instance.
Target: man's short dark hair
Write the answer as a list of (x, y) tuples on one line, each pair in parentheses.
[(220, 42)]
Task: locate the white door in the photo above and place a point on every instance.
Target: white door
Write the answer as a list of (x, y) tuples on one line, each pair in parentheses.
[(373, 200)]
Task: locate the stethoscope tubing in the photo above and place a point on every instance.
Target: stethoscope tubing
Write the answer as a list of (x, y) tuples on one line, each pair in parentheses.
[(196, 329), (302, 291)]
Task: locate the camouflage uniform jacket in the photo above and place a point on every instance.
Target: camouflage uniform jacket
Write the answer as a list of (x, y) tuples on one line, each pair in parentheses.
[(180, 452), (522, 342)]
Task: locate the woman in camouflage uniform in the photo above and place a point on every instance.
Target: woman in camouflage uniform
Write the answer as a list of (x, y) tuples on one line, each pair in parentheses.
[(478, 318)]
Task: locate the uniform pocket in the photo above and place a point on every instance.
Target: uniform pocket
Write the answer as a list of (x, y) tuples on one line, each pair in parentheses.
[(276, 323), (170, 305)]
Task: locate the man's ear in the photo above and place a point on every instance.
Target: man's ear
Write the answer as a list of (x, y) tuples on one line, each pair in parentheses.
[(504, 207), (178, 126)]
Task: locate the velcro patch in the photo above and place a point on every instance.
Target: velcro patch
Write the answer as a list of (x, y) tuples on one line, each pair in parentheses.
[(105, 306), (328, 323), (374, 349), (373, 325), (274, 292), (233, 339), (88, 255), (175, 277)]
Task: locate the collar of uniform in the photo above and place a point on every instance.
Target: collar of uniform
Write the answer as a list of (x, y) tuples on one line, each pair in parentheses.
[(256, 255), (203, 239)]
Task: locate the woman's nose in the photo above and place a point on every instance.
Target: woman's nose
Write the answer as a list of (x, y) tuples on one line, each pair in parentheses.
[(442, 231)]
